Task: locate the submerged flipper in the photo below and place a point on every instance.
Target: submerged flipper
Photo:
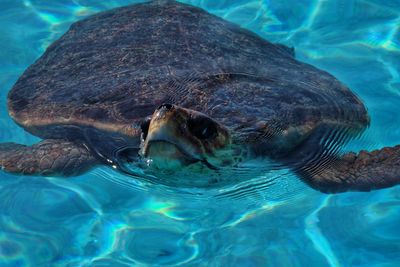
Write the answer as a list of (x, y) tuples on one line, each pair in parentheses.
[(364, 171), (47, 158)]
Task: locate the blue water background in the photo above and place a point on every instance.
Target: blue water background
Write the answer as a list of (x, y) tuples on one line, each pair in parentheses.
[(104, 219)]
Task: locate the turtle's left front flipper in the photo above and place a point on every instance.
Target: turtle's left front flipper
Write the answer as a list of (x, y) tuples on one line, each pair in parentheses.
[(48, 158), (364, 171)]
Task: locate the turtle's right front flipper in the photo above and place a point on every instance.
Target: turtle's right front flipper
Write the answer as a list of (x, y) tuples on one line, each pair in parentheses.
[(364, 171), (47, 158)]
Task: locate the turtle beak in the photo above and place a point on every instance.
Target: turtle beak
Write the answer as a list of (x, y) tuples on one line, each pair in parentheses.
[(168, 138)]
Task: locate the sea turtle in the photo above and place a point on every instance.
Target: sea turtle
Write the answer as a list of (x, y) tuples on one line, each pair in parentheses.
[(176, 86)]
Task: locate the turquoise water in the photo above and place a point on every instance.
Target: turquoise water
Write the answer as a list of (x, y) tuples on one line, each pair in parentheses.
[(105, 219)]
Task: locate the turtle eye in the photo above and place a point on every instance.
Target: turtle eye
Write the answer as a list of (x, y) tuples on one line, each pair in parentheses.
[(202, 128), (144, 127)]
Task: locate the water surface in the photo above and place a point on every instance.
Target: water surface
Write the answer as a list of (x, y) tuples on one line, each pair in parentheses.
[(105, 219)]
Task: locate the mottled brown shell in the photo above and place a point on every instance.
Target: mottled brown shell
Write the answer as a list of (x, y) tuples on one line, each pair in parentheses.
[(111, 70)]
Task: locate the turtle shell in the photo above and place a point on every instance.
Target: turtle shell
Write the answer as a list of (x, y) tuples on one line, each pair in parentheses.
[(113, 69)]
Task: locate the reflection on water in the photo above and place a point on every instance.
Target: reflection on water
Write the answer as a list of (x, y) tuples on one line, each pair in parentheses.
[(106, 219)]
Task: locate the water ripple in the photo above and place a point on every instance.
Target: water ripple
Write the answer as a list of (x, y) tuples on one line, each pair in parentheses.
[(106, 219), (314, 233)]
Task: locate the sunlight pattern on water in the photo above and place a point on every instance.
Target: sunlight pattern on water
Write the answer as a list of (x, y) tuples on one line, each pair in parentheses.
[(315, 235), (104, 219)]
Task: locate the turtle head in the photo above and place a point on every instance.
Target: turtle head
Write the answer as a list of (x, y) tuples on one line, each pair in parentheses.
[(174, 137)]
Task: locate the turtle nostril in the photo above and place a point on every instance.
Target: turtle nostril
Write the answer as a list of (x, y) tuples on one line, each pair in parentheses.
[(166, 106)]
